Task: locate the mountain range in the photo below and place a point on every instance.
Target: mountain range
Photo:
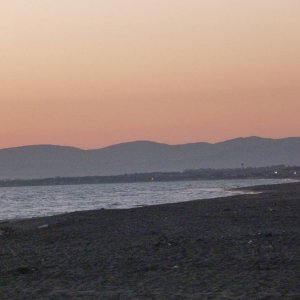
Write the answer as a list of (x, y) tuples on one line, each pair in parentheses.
[(43, 161)]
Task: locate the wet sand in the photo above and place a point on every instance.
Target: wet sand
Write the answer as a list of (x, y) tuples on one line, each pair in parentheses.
[(241, 247)]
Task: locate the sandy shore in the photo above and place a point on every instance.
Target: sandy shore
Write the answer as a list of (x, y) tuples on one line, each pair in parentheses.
[(242, 247)]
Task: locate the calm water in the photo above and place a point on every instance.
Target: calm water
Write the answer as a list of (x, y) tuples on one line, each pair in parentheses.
[(26, 202)]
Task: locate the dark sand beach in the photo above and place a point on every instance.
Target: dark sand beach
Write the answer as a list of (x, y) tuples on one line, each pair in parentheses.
[(242, 247)]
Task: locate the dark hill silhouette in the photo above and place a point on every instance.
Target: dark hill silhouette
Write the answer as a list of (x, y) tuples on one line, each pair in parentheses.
[(42, 161)]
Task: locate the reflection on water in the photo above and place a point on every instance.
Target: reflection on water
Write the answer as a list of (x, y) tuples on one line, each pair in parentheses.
[(26, 202)]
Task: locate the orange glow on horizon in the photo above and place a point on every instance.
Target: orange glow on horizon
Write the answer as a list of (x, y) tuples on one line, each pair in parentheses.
[(93, 73)]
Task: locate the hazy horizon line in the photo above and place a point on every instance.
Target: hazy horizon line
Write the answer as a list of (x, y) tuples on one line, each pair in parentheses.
[(149, 141)]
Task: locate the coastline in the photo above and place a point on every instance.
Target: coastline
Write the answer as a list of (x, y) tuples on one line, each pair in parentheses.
[(31, 202), (238, 247)]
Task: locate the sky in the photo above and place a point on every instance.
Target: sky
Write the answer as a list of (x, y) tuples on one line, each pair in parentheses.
[(90, 73)]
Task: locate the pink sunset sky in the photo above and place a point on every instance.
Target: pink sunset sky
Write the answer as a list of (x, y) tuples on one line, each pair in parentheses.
[(91, 73)]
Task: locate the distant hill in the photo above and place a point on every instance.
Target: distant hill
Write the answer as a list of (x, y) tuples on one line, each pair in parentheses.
[(42, 161)]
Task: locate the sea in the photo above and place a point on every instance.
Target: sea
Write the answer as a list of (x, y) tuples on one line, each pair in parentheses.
[(37, 201)]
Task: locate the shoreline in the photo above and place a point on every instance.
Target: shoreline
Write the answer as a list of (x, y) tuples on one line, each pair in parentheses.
[(227, 192), (237, 247)]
